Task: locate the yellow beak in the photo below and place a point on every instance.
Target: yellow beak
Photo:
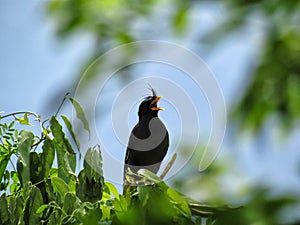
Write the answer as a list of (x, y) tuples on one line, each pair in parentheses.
[(155, 101)]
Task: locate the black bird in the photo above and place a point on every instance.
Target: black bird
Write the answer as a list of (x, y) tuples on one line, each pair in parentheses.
[(148, 142)]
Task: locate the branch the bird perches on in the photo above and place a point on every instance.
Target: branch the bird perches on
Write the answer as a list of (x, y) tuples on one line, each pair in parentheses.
[(168, 167)]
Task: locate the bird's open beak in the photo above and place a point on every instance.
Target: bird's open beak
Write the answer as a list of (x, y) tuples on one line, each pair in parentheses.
[(155, 101)]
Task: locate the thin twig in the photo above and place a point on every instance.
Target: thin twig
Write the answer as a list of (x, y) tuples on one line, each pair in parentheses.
[(61, 104), (168, 167), (22, 112)]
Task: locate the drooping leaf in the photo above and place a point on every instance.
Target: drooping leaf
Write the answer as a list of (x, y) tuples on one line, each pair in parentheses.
[(81, 115), (4, 213), (121, 205), (93, 163), (34, 166), (69, 203), (112, 190), (60, 137), (16, 208), (91, 182), (62, 146), (3, 163), (60, 186), (46, 158), (25, 141), (70, 129), (33, 203), (89, 190)]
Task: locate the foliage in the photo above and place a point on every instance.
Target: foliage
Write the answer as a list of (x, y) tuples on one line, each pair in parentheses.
[(37, 192), (274, 77)]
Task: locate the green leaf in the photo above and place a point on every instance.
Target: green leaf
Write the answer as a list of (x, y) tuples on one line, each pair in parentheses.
[(113, 190), (93, 164), (91, 182), (42, 208), (55, 217), (89, 190), (121, 205), (149, 175), (16, 208), (3, 163), (62, 146), (70, 129), (143, 191), (15, 185), (60, 186), (34, 165), (25, 141), (46, 158), (4, 213), (81, 115), (60, 137), (24, 120), (105, 212), (33, 203), (69, 203), (179, 201), (70, 162)]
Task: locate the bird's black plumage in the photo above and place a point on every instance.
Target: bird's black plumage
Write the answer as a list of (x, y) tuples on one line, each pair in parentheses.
[(149, 140)]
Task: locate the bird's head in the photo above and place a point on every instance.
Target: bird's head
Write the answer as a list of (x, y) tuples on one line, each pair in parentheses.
[(149, 105)]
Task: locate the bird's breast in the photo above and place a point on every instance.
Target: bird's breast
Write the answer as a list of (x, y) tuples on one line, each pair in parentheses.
[(147, 136)]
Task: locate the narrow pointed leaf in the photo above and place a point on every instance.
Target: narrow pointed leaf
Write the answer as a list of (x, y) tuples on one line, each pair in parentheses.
[(25, 141), (70, 129), (81, 115), (3, 163), (62, 146), (46, 158)]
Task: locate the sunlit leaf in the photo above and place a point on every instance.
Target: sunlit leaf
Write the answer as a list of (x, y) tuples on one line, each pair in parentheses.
[(149, 175), (179, 201), (24, 120), (113, 190), (41, 208)]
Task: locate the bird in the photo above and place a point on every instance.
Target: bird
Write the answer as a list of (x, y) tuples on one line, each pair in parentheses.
[(148, 141)]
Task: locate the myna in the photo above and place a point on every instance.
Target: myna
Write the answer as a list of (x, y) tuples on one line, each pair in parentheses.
[(148, 142)]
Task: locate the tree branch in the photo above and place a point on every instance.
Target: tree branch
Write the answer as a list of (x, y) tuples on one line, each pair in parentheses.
[(168, 167)]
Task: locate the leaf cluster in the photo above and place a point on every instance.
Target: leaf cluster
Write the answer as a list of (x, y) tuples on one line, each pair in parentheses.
[(44, 188)]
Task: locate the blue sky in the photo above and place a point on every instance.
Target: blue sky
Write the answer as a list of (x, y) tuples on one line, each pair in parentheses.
[(34, 64)]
